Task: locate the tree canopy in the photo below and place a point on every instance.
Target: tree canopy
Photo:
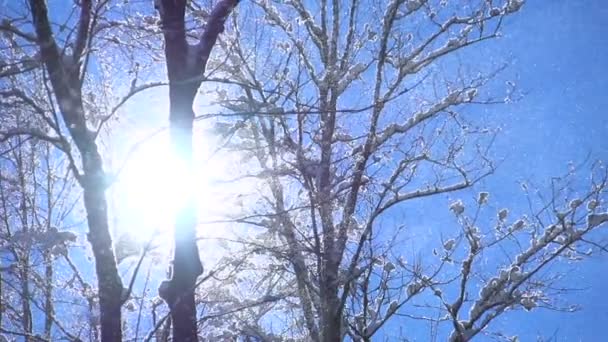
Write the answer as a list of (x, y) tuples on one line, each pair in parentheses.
[(315, 171)]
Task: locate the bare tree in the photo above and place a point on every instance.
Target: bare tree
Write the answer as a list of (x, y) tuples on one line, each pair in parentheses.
[(343, 120), (185, 68), (342, 114), (48, 72), (36, 197), (71, 60)]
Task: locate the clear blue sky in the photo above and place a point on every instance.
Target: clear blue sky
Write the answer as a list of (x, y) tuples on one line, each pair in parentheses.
[(558, 50), (559, 56)]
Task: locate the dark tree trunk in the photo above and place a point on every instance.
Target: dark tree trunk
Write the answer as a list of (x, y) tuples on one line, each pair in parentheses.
[(24, 258), (110, 285), (49, 310), (185, 69), (65, 77), (331, 311)]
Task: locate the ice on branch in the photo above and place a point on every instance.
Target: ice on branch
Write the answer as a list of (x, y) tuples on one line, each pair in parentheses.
[(592, 204), (528, 302), (471, 93), (413, 5), (371, 327), (413, 288), (482, 198), (594, 220), (457, 207), (575, 203), (463, 335), (449, 244), (519, 224), (494, 12), (352, 74), (392, 307), (513, 6), (503, 213)]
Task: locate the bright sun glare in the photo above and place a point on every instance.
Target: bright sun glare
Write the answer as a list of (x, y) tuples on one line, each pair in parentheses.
[(151, 187)]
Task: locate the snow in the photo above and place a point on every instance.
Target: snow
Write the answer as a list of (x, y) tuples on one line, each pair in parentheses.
[(575, 203), (449, 244), (519, 224), (592, 204), (457, 207), (513, 5), (502, 214), (528, 303), (594, 220), (453, 42), (371, 313), (352, 74), (413, 288), (413, 5), (482, 198), (372, 326), (393, 307), (471, 93)]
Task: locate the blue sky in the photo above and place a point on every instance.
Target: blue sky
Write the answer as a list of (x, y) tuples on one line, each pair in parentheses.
[(559, 52)]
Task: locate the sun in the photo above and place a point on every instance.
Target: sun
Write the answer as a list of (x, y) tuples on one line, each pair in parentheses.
[(153, 184)]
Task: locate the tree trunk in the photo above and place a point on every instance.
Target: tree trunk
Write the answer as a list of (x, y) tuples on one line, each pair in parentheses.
[(65, 76), (49, 309), (185, 70), (331, 315), (187, 265), (110, 285)]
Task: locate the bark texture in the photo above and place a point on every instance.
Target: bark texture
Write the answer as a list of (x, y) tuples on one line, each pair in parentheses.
[(65, 74), (185, 68)]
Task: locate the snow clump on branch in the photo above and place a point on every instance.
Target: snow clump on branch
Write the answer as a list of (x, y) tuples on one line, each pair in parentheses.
[(457, 207)]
